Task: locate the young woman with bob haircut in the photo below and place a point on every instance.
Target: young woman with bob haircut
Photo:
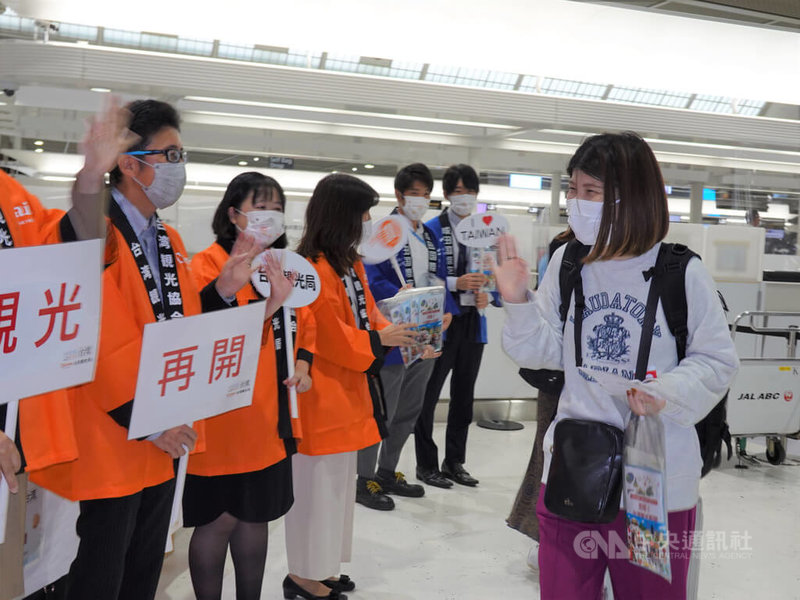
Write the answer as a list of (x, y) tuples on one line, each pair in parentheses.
[(243, 480), (617, 205), (343, 412)]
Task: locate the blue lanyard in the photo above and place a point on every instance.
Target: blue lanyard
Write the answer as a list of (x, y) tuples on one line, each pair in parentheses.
[(416, 235)]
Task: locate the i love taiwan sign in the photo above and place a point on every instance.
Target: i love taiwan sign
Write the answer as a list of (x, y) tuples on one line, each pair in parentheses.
[(482, 230)]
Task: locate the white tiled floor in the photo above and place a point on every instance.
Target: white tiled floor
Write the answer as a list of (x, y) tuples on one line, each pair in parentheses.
[(455, 545)]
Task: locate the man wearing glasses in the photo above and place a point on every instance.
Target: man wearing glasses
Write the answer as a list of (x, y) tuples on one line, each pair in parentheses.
[(126, 486)]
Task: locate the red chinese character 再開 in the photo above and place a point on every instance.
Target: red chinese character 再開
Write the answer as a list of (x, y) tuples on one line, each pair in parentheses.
[(224, 360), (62, 309), (8, 320), (177, 367)]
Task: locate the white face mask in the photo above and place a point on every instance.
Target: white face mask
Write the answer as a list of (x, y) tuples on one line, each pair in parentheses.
[(415, 207), (584, 219), (168, 183), (265, 226), (366, 231), (463, 204)]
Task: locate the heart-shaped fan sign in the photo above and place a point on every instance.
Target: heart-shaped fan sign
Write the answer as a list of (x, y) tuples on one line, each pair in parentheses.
[(306, 284), (481, 231), (389, 235)]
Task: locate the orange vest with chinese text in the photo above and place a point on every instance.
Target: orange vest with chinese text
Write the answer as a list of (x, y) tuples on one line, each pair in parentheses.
[(246, 439), (338, 413), (109, 465), (44, 439)]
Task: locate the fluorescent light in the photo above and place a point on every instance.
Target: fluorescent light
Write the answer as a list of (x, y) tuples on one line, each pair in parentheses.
[(255, 159), (38, 143), (368, 166), (564, 132), (525, 182), (39, 150), (355, 169), (336, 111), (202, 188), (242, 163), (101, 90), (56, 178)]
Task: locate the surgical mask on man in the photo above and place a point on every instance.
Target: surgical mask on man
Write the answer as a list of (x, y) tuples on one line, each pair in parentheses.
[(265, 226), (584, 217), (168, 183), (463, 204), (415, 207)]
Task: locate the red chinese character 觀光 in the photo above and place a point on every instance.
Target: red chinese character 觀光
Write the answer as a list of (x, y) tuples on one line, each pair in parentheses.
[(177, 367), (8, 320), (60, 309)]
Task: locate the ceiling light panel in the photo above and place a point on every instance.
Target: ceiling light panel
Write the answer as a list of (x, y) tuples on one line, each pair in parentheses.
[(646, 96), (497, 80), (573, 89)]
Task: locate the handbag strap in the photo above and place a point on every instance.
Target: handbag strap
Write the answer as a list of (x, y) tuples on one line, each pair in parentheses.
[(649, 322)]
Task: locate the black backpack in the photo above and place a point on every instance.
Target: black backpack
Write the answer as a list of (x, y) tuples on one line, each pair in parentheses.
[(669, 275)]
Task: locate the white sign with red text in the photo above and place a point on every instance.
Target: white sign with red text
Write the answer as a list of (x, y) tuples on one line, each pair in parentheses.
[(306, 283), (389, 235), (196, 367), (482, 230), (49, 317)]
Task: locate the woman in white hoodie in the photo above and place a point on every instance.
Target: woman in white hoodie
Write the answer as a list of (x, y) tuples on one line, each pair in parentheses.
[(617, 205)]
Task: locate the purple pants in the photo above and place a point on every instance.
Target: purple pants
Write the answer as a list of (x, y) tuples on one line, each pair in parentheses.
[(572, 563)]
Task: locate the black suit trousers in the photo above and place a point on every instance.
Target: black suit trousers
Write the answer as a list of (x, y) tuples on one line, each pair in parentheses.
[(461, 355)]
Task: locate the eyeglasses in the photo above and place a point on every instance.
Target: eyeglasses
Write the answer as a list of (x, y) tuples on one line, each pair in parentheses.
[(174, 155)]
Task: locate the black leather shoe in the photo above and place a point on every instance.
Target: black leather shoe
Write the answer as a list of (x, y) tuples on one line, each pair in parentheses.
[(342, 584), (291, 590), (433, 477), (371, 494), (458, 473), (396, 484)]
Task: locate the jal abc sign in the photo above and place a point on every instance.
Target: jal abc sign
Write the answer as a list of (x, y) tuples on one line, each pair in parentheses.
[(788, 396)]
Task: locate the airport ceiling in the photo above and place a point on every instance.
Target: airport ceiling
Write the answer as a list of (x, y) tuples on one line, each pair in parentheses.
[(238, 109), (777, 14)]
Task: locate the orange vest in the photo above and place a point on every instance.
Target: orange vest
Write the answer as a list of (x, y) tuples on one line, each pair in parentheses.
[(337, 413), (246, 439), (44, 421), (109, 465)]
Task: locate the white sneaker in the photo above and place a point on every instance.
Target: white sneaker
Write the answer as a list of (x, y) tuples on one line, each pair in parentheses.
[(533, 557)]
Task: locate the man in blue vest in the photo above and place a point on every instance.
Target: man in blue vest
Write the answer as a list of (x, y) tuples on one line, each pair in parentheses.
[(463, 344), (422, 263)]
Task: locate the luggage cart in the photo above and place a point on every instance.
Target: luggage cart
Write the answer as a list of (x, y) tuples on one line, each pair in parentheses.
[(764, 398)]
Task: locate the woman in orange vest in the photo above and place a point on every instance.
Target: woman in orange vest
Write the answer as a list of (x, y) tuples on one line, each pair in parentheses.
[(244, 478), (344, 411)]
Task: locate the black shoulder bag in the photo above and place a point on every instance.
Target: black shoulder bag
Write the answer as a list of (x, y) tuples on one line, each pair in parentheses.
[(585, 479)]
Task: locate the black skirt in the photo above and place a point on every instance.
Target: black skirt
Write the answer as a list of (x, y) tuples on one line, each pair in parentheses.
[(254, 497)]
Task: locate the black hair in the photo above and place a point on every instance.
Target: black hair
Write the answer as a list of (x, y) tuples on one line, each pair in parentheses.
[(333, 220), (410, 174), (239, 189), (630, 173), (469, 178), (148, 117)]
